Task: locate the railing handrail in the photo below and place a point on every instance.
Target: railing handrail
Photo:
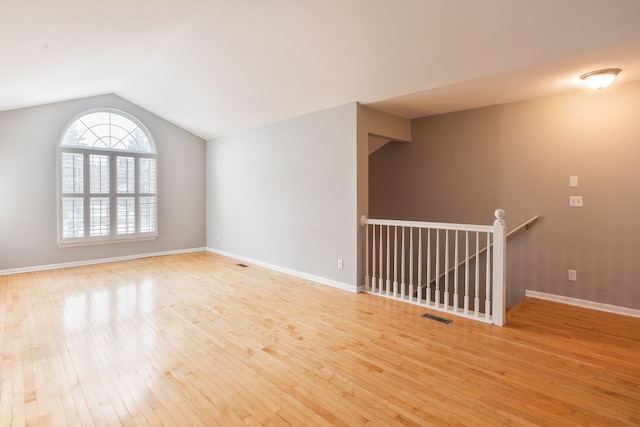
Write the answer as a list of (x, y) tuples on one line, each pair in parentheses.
[(421, 224)]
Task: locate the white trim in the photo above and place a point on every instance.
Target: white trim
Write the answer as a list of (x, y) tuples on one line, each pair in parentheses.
[(625, 311), (421, 224), (95, 261), (106, 241), (306, 276)]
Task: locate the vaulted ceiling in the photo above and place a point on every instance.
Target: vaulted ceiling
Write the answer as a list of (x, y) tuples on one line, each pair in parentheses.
[(218, 66)]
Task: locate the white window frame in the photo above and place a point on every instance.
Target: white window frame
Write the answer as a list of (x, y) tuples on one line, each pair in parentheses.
[(112, 195)]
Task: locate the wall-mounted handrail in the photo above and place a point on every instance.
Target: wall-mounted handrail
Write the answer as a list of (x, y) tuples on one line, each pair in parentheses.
[(528, 223)]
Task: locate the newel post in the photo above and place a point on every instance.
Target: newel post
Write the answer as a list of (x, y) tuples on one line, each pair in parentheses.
[(363, 222), (499, 290)]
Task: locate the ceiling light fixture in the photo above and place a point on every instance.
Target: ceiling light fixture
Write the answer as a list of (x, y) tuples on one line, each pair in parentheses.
[(600, 78)]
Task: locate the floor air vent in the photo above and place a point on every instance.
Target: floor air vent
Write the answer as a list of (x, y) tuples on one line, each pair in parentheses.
[(242, 265), (437, 319)]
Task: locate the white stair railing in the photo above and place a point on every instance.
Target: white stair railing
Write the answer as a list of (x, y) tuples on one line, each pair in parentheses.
[(436, 278), (524, 225)]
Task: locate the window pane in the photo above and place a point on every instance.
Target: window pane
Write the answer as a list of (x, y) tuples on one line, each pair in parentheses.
[(99, 174), (114, 143), (126, 215), (72, 217), (75, 134), (72, 173), (104, 129), (147, 176), (126, 174), (99, 216), (120, 134), (138, 141), (93, 119), (122, 122), (147, 214)]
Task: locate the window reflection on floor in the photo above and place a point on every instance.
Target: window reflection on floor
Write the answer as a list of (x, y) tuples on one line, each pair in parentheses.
[(104, 306), (75, 313), (111, 328)]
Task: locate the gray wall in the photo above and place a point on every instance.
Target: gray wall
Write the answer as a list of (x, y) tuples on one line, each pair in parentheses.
[(284, 194), (519, 156), (372, 122), (28, 168)]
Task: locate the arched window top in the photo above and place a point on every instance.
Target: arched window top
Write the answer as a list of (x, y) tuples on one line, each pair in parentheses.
[(108, 130)]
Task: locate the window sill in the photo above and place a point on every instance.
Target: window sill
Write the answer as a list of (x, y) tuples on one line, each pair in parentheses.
[(105, 241)]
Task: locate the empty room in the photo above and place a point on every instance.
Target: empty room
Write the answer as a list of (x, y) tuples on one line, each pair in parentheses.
[(319, 213)]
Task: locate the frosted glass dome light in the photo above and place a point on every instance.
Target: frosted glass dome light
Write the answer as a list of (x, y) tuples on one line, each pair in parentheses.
[(601, 78)]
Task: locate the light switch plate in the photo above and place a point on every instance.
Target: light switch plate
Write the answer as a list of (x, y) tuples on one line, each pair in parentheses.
[(573, 181), (575, 201)]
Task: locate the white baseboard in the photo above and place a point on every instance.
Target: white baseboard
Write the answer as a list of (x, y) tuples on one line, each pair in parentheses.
[(310, 277), (95, 261), (625, 311)]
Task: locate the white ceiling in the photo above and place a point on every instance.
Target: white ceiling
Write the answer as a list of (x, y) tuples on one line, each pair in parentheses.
[(218, 66)]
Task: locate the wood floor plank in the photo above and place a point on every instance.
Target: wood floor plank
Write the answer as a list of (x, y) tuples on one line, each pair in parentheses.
[(196, 340)]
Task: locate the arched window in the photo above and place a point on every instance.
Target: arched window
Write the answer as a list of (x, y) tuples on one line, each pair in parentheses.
[(107, 184)]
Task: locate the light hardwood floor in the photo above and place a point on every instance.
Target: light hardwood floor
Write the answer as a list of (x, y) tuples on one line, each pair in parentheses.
[(196, 340)]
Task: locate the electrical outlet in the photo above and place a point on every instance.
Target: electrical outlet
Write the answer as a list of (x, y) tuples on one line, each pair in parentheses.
[(572, 275), (340, 264)]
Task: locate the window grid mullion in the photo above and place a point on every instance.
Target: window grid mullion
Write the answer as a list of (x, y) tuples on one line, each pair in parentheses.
[(86, 197), (113, 196), (136, 201)]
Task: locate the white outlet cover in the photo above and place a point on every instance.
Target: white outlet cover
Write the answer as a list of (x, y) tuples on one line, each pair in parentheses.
[(575, 201)]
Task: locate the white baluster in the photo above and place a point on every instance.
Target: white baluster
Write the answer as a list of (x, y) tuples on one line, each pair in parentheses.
[(437, 292), (380, 280), (428, 293), (395, 261), (403, 285), (410, 264), (487, 302), (446, 270), (373, 259), (476, 299), (466, 273), (388, 263), (455, 275), (419, 294), (367, 285)]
